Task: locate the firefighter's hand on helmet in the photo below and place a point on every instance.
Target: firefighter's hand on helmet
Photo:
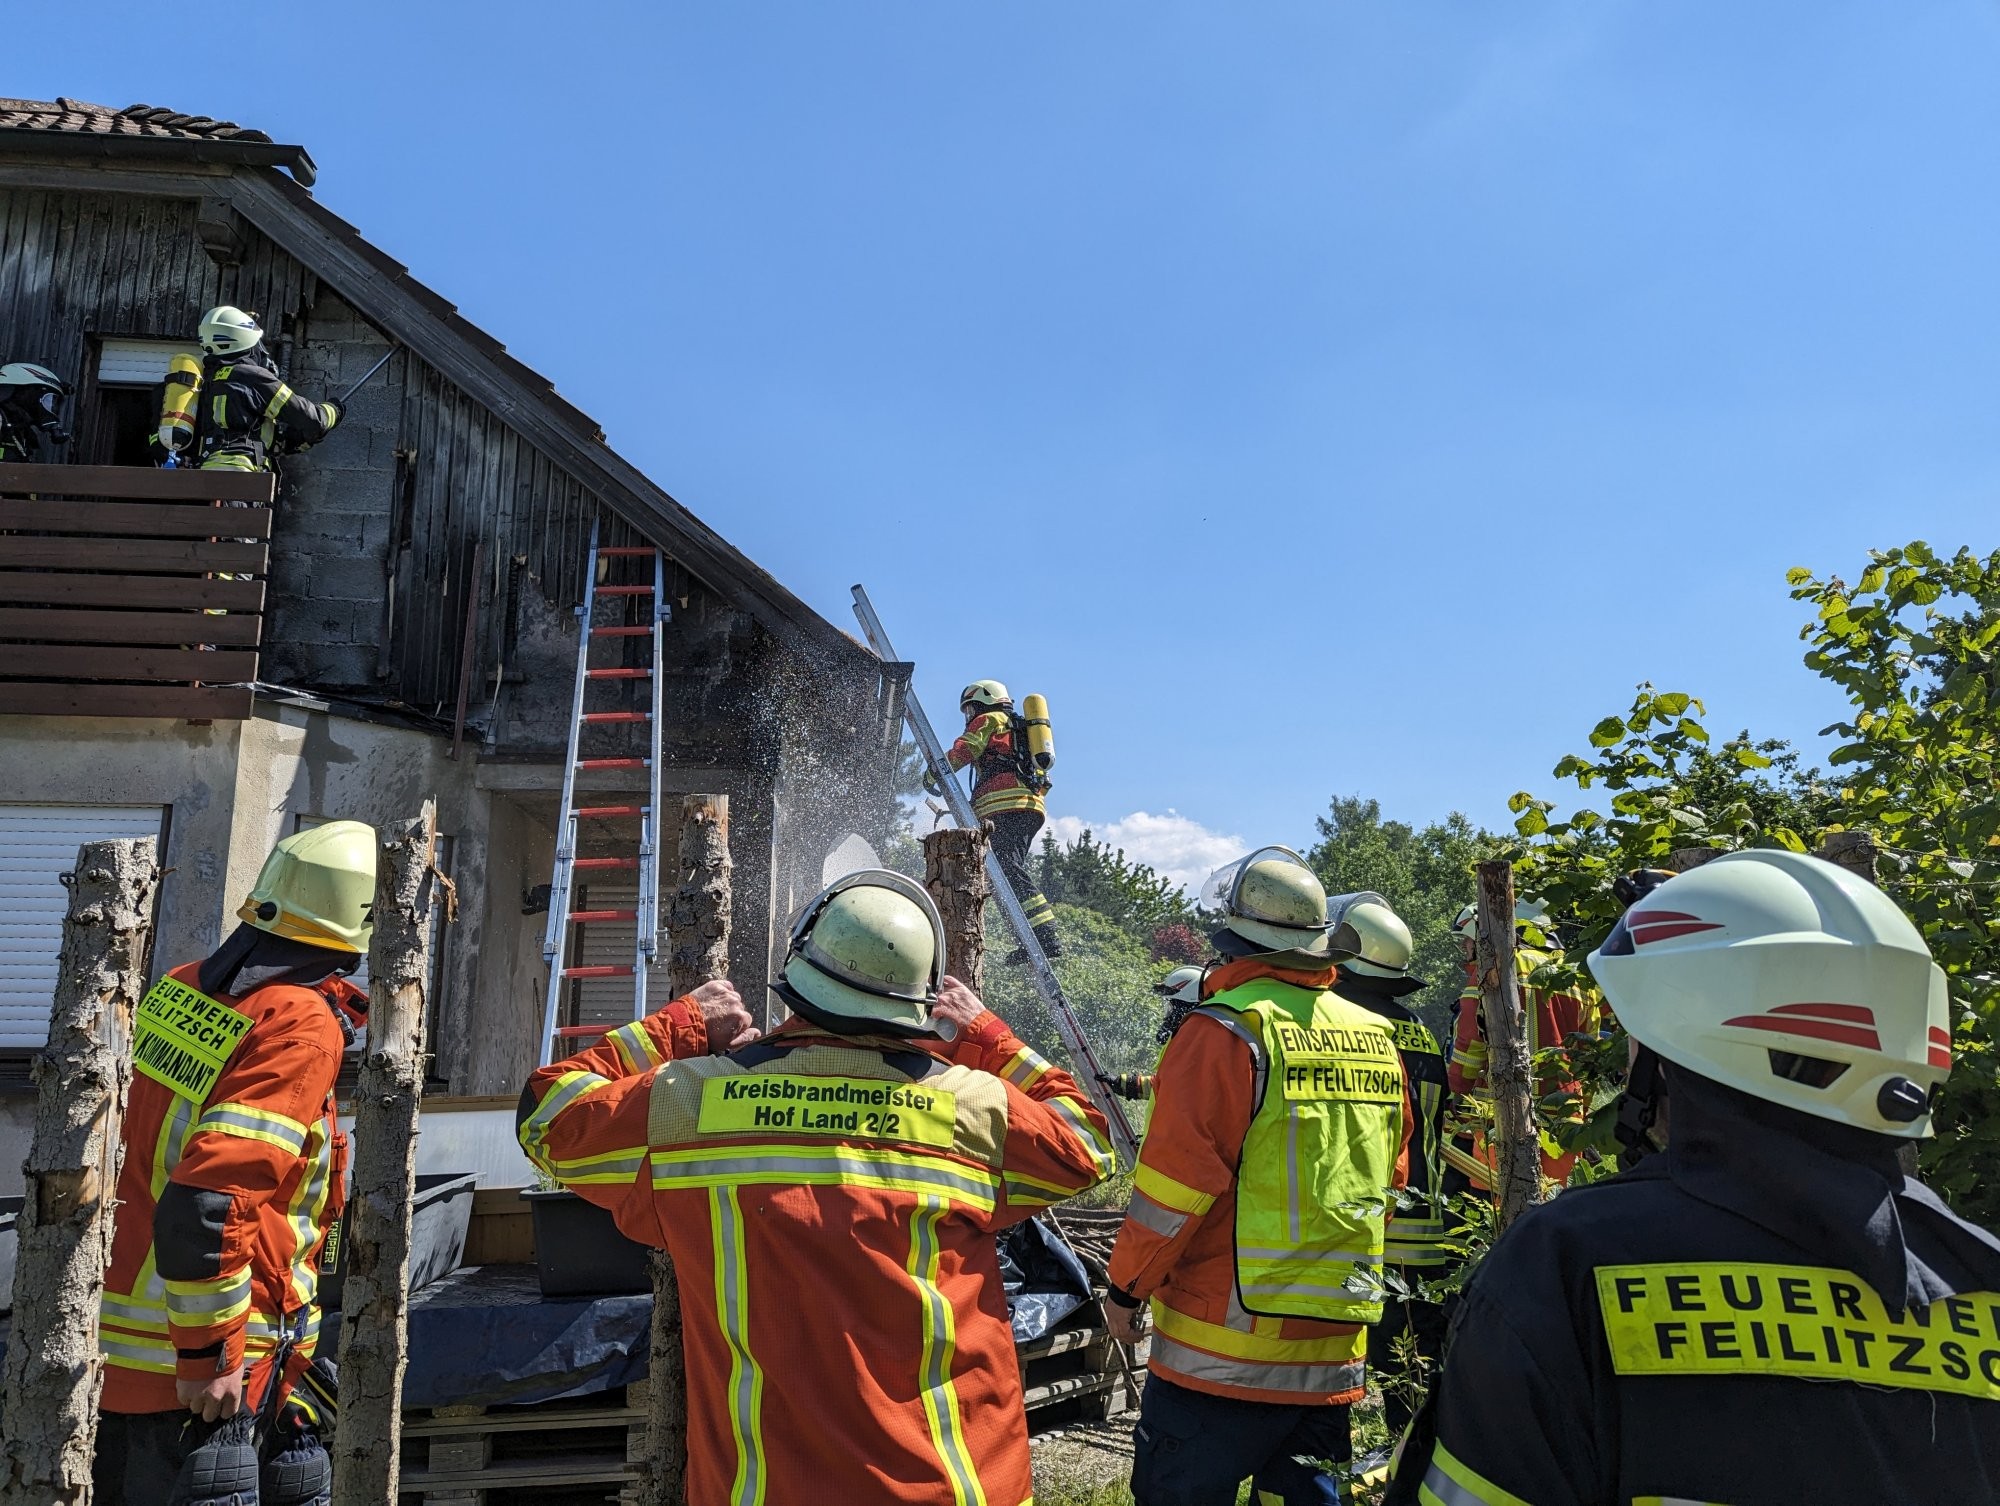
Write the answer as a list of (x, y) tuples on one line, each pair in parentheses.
[(212, 1400), (958, 1004), (728, 1022)]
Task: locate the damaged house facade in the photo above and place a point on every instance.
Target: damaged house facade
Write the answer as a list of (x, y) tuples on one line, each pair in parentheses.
[(399, 623)]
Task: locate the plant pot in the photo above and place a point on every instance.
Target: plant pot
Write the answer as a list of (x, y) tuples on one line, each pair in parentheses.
[(439, 1216), (579, 1251)]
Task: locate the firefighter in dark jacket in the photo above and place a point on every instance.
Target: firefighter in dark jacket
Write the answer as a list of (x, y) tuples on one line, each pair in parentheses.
[(243, 414), (1005, 796), (1407, 1343), (31, 414), (1766, 1311)]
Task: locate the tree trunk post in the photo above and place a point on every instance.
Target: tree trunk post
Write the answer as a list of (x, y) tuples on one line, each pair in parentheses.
[(374, 1320), (1510, 1074), (1852, 850), (955, 874), (54, 1371), (698, 938)]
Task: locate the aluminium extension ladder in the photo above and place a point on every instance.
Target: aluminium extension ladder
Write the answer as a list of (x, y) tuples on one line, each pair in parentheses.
[(625, 825)]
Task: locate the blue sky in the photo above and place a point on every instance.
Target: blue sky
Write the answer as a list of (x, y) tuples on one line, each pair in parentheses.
[(1308, 398)]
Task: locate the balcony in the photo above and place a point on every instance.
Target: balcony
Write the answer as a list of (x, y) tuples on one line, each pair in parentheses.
[(128, 591)]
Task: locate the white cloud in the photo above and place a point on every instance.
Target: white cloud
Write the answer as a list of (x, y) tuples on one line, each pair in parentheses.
[(1177, 847)]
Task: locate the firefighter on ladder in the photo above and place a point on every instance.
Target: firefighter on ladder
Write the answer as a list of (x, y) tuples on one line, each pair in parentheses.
[(1009, 794), (233, 1172), (829, 1194)]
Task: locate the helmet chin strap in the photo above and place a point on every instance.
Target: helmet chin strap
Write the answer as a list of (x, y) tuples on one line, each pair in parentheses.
[(1638, 1108)]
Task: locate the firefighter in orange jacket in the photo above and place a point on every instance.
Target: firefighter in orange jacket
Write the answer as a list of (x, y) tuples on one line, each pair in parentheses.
[(233, 1172), (1008, 796), (829, 1195), (1280, 1122)]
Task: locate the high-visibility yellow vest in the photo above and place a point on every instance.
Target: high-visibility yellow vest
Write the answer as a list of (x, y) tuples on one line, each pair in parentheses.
[(1312, 1186)]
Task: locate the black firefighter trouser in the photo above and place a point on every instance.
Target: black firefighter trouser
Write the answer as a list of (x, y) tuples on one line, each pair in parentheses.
[(171, 1459), (1014, 835)]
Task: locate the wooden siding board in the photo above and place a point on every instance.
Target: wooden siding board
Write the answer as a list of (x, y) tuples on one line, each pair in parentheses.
[(181, 702), (52, 588), (185, 666), (81, 625), (153, 520)]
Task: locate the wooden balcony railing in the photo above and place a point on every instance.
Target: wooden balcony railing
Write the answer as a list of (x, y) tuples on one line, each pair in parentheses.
[(128, 591)]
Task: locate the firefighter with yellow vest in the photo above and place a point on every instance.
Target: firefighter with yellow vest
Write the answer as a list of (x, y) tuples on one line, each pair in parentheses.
[(235, 412), (233, 1171), (1765, 1309), (1280, 1124), (830, 1194), (1010, 792), (1404, 1347)]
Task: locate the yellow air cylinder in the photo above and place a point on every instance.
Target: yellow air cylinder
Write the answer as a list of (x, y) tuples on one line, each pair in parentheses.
[(1041, 737), (182, 387)]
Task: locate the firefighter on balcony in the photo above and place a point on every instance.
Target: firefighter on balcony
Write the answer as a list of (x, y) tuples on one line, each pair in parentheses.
[(1404, 1347), (1009, 790), (829, 1195), (31, 414), (1765, 1310), (233, 1172), (235, 413), (1256, 1227)]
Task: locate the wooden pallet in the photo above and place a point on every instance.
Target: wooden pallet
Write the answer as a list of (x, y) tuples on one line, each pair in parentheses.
[(1075, 1373), (476, 1456)]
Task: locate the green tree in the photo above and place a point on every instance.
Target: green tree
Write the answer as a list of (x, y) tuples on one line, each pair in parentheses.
[(1095, 876), (1107, 974), (1424, 872)]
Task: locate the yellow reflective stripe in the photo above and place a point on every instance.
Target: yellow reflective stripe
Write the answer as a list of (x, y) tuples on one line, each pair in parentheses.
[(1262, 1343), (732, 1315), (823, 1166), (1022, 1188), (1094, 1141), (1168, 1193), (173, 1139), (635, 1046), (567, 1089), (609, 1167), (132, 1312), (1025, 1068), (156, 1359), (307, 1207), (203, 1304), (276, 405), (1307, 1380), (1452, 1482), (1815, 1322), (253, 1124), (939, 1346)]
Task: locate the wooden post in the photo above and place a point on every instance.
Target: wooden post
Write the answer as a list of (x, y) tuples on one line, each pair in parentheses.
[(955, 874), (698, 937), (374, 1320), (1852, 850), (54, 1371), (1684, 858), (1510, 1071)]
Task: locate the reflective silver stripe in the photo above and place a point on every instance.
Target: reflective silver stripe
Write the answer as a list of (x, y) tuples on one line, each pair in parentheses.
[(1304, 1257), (139, 1356), (1026, 1066), (133, 1315), (1365, 1292), (1292, 1173), (725, 1170), (1309, 1380), (1148, 1214), (272, 1127), (198, 1304), (1096, 1144), (1447, 1491), (733, 1316), (1229, 1021)]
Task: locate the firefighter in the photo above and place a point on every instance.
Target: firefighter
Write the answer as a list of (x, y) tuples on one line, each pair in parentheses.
[(244, 413), (31, 414), (1403, 1349), (1256, 1224), (1766, 1311), (1180, 991), (1007, 793), (233, 1172), (1553, 1015), (829, 1194)]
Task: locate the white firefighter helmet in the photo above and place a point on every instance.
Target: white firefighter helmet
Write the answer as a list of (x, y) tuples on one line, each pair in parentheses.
[(228, 331), (1269, 901), (1182, 985), (988, 695), (1791, 979), (870, 947), (1382, 942), (1527, 912)]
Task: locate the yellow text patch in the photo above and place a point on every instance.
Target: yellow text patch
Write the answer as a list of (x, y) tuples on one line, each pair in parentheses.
[(848, 1108), (182, 1039), (1721, 1317), (1355, 1065)]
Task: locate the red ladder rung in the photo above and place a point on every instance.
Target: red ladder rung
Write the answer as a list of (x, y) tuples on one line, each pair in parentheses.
[(638, 632), (578, 1032), (600, 812), (606, 863), (600, 970), (624, 590), (618, 716), (618, 674), (626, 551), (592, 917), (611, 763)]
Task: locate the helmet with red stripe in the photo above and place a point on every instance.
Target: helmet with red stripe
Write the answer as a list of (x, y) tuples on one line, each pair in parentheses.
[(1791, 979)]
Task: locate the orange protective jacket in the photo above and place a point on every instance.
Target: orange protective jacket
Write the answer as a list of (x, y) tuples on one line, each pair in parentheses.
[(1178, 1242), (830, 1204), (1553, 1016), (223, 1205), (988, 744)]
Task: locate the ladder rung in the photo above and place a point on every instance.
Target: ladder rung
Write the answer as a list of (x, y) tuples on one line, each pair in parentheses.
[(600, 970), (590, 917), (606, 863), (638, 632), (576, 1032), (626, 551), (618, 674), (624, 590), (618, 716), (599, 812), (611, 763)]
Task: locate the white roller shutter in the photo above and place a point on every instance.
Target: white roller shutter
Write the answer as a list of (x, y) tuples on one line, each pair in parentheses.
[(38, 845), (139, 363), (608, 1001)]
